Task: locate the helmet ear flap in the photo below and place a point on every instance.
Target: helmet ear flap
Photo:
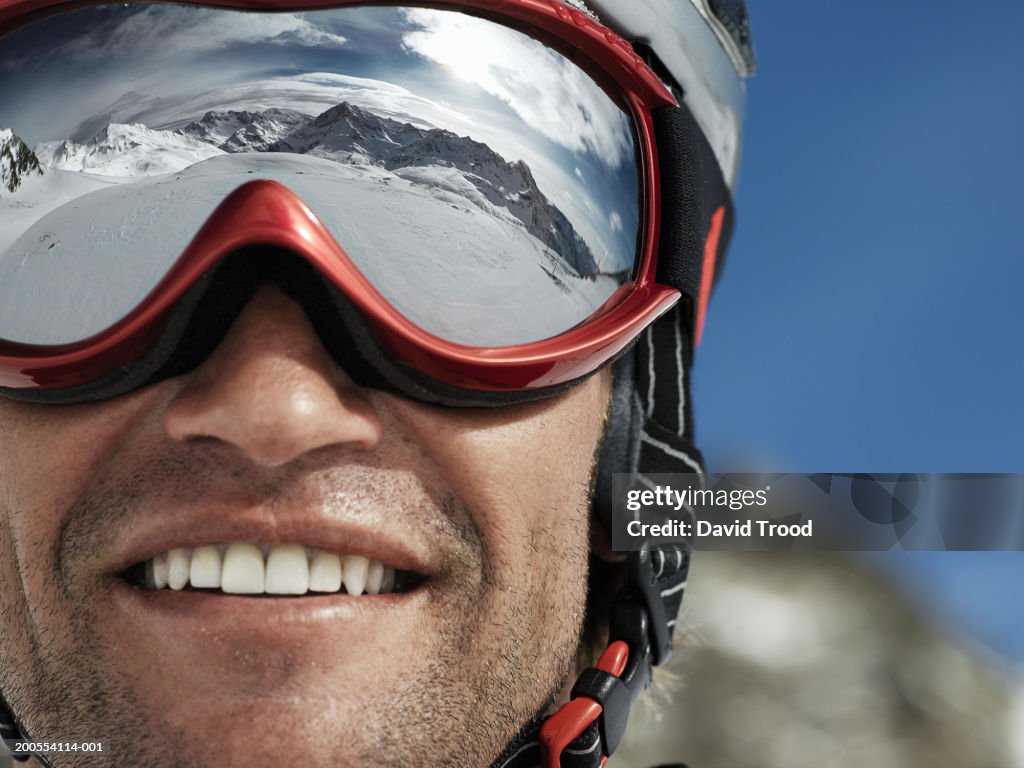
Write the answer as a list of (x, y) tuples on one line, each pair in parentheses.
[(620, 449)]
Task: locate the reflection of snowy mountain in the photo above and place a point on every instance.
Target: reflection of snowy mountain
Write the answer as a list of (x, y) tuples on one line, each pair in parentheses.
[(349, 134), (486, 274), (440, 172), (346, 134), (127, 150), (16, 160), (244, 131)]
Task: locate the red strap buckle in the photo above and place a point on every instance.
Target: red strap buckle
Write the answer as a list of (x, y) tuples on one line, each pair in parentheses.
[(574, 717)]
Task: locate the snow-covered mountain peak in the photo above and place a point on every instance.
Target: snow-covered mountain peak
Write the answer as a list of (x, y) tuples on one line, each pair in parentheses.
[(347, 115), (17, 161), (344, 111), (349, 134), (127, 150), (119, 136), (243, 130)]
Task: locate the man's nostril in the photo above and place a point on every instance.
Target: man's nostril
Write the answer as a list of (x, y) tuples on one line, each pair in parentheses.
[(271, 390)]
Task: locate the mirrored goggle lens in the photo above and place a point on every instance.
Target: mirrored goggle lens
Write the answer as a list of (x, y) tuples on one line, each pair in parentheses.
[(485, 184)]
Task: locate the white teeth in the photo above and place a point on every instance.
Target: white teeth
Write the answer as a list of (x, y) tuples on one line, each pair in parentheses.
[(178, 562), (325, 573), (243, 572), (287, 570), (161, 570), (242, 568), (206, 567), (374, 577), (355, 571)]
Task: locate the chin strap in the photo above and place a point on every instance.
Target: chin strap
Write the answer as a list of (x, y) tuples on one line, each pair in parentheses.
[(584, 732), (11, 733), (587, 730)]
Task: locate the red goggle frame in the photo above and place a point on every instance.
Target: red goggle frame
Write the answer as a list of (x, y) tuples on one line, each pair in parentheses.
[(267, 213)]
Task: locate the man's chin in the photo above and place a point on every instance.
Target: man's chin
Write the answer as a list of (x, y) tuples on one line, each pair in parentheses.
[(247, 677), (214, 642)]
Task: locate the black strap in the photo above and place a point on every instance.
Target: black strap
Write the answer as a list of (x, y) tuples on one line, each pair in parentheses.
[(525, 750), (11, 732), (681, 163), (693, 188), (666, 446)]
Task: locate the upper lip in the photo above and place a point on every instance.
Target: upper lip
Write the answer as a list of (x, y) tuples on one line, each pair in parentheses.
[(391, 543)]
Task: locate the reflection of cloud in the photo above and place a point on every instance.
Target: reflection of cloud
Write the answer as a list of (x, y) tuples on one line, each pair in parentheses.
[(615, 221), (550, 93), (310, 93), (171, 28)]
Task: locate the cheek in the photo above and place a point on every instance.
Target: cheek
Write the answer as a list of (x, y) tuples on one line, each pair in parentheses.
[(524, 475), (49, 455)]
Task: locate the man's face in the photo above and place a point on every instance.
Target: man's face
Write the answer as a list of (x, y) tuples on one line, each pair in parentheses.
[(270, 442)]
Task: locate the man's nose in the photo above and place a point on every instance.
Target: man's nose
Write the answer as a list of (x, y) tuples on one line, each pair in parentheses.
[(272, 391)]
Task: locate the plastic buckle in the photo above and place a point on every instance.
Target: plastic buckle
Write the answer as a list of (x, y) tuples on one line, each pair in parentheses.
[(569, 722), (605, 695), (615, 700), (640, 577)]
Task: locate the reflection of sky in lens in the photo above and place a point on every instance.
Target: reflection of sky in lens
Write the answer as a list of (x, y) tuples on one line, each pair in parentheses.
[(151, 64)]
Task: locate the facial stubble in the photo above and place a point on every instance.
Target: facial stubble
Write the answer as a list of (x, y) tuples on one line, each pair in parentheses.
[(462, 705)]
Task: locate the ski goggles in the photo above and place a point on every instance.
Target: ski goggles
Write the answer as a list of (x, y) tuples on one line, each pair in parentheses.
[(469, 199)]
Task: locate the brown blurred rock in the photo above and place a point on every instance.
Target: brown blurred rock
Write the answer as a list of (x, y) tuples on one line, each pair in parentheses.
[(810, 661)]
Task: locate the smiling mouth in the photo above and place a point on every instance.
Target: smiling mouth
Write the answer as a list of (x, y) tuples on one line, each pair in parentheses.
[(273, 570)]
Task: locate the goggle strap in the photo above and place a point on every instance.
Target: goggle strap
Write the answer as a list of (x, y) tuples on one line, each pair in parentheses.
[(693, 189)]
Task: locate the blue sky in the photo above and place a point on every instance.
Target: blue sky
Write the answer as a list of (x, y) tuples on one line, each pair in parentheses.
[(870, 316)]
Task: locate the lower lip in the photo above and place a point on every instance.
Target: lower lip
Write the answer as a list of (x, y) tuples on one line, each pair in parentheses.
[(249, 615)]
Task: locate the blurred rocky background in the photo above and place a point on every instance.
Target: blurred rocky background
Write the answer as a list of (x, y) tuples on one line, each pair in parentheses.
[(816, 661)]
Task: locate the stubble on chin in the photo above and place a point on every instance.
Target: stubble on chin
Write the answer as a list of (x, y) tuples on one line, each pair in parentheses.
[(504, 646)]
